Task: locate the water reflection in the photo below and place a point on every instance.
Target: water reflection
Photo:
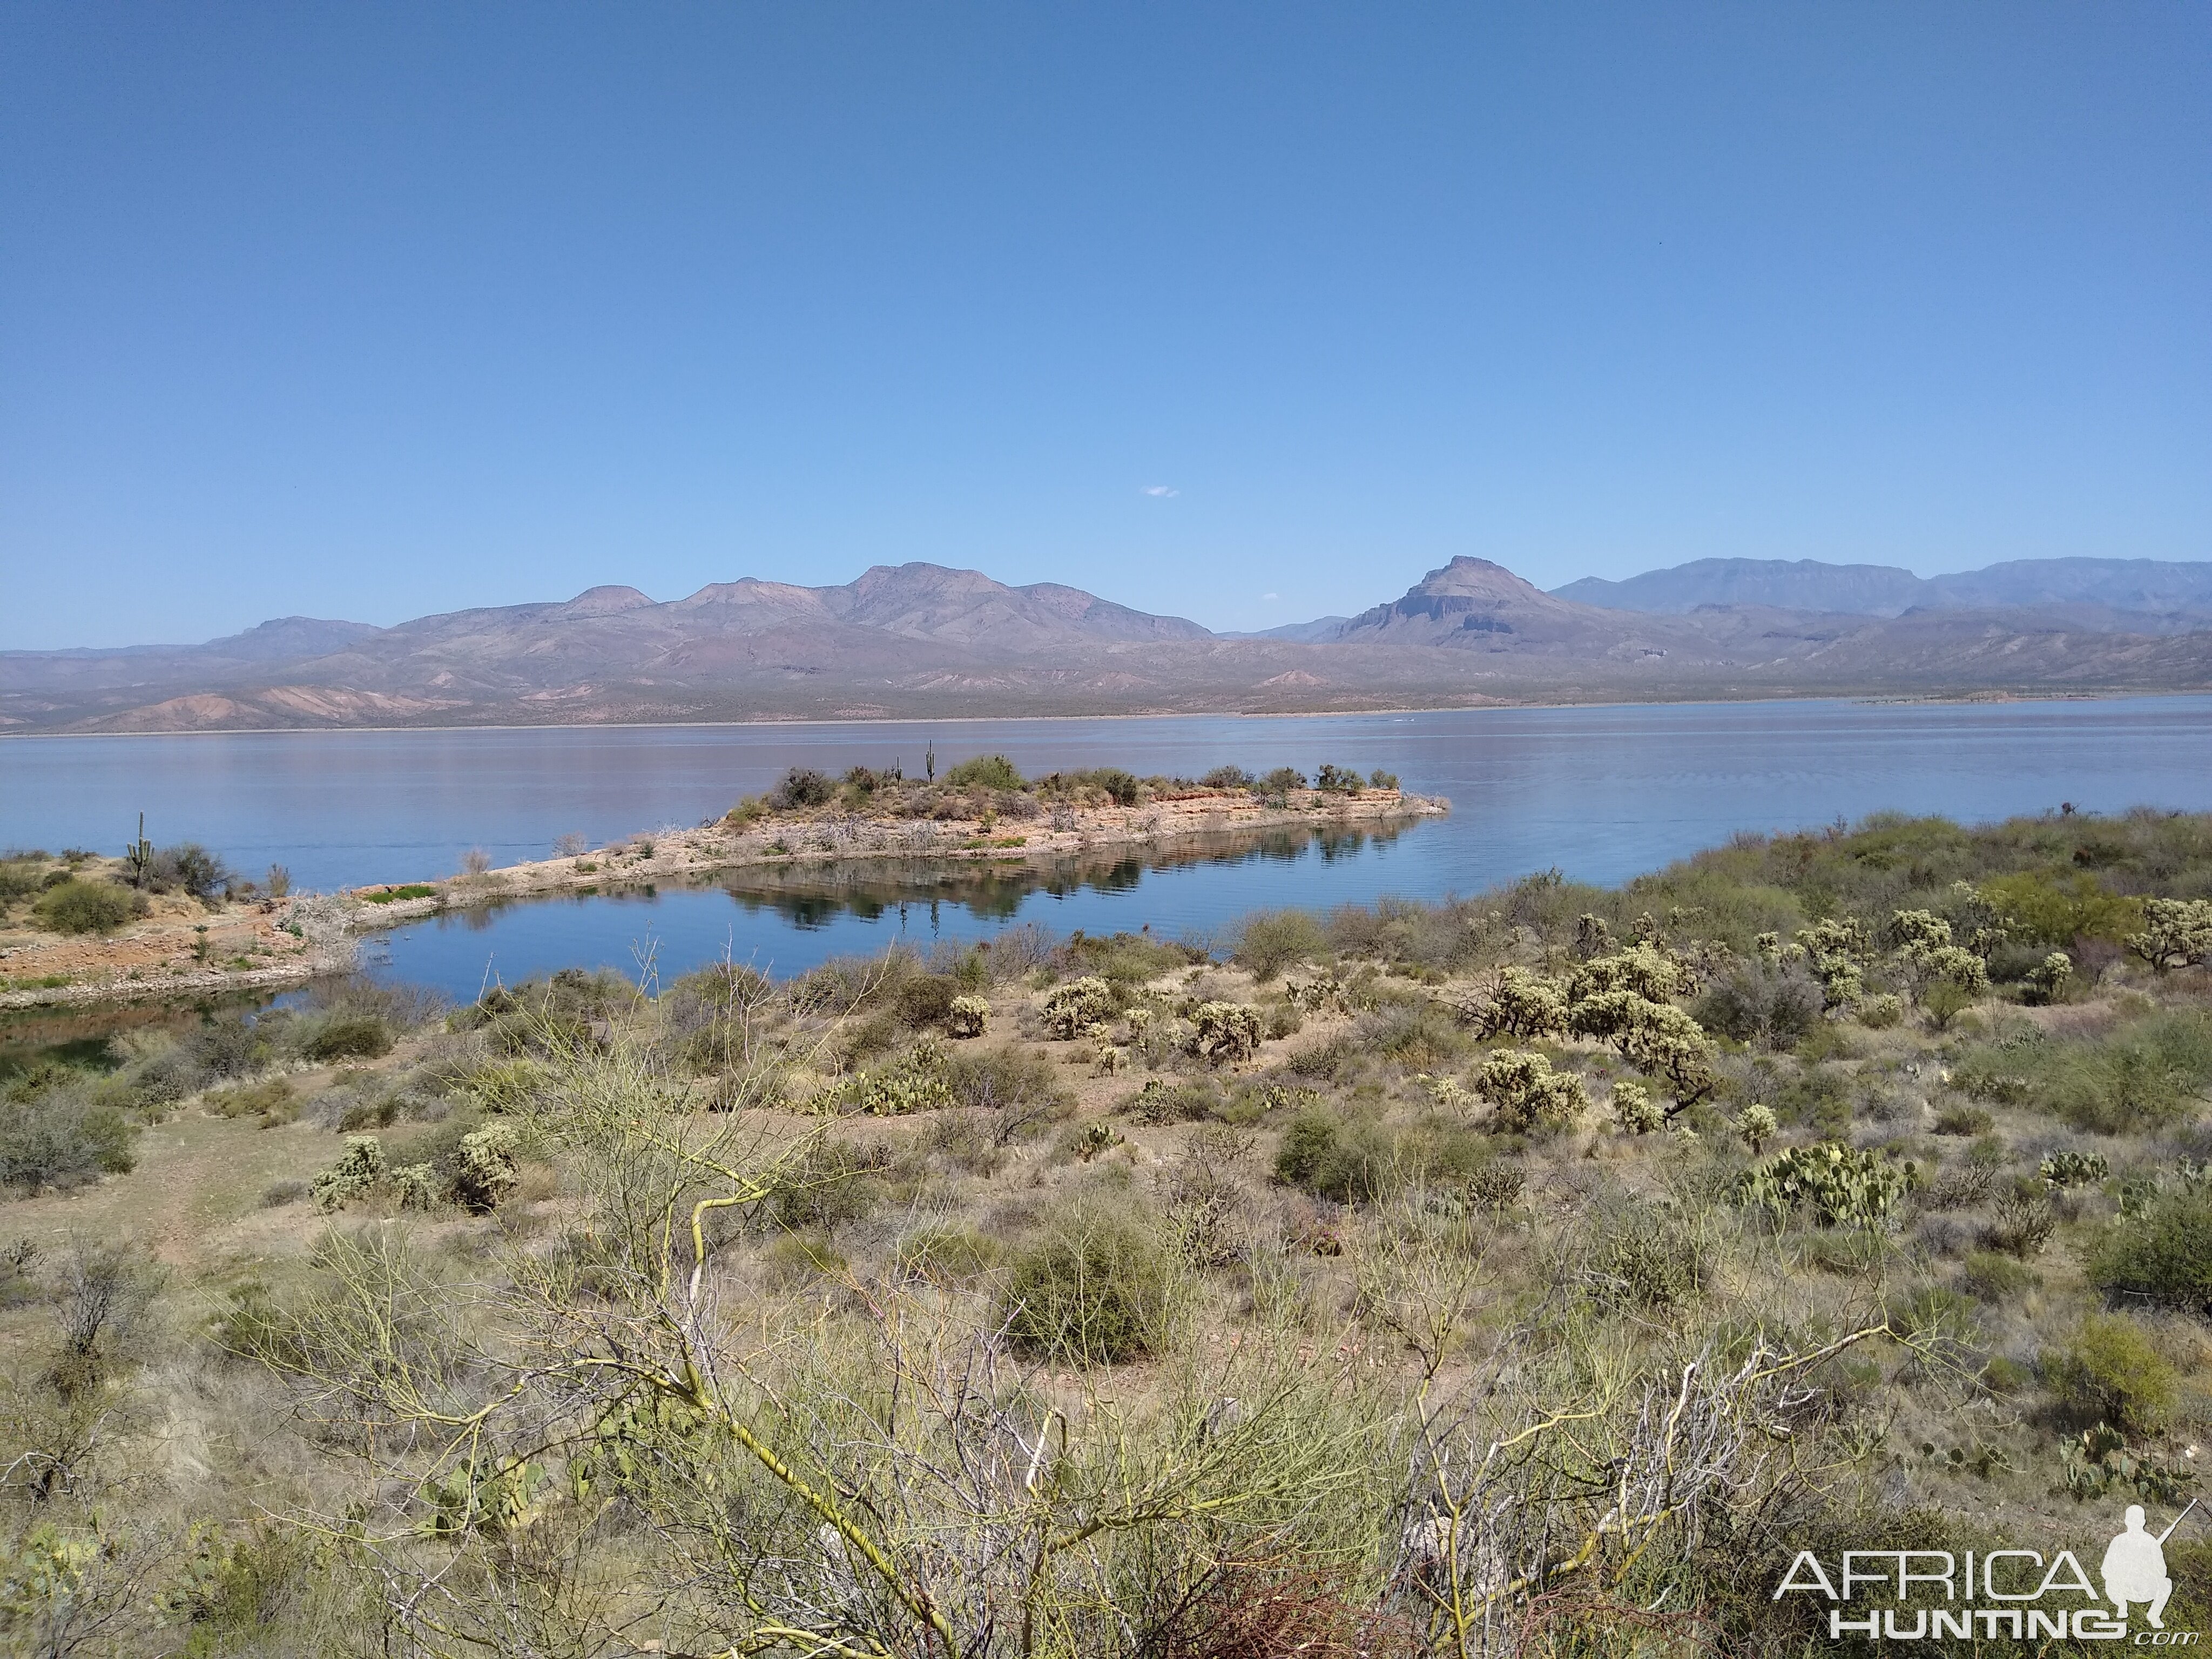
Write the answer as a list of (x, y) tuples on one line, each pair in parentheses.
[(810, 898)]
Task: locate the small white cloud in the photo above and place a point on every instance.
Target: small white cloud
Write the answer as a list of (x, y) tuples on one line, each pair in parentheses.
[(1266, 599), (1160, 489)]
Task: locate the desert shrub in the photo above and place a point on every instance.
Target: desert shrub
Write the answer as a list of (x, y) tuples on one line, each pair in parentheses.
[(2045, 909), (1995, 1278), (801, 786), (1072, 1009), (1758, 1004), (707, 1017), (87, 907), (1644, 1260), (2023, 1224), (985, 772), (1880, 1011), (1346, 1159), (2110, 1372), (1417, 1034), (18, 878), (273, 1100), (926, 999), (792, 1260), (2163, 1254), (1096, 1288), (349, 1036), (1329, 1061), (62, 1137), (1227, 777), (1272, 941), (1963, 1121), (1174, 1100), (947, 1253), (189, 868), (1018, 1088), (968, 1017), (2143, 1076), (1280, 781)]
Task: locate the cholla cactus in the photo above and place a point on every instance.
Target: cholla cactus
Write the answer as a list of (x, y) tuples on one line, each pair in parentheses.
[(1522, 1005), (417, 1185), (1756, 1125), (359, 1168), (1526, 1091), (1633, 1109), (2176, 933), (2047, 979), (487, 1172), (1072, 1009), (1225, 1032), (968, 1017)]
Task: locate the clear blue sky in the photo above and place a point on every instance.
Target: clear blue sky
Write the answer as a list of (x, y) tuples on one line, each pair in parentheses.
[(369, 311)]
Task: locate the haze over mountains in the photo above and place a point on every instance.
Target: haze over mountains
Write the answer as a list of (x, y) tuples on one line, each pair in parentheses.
[(1881, 590), (924, 641)]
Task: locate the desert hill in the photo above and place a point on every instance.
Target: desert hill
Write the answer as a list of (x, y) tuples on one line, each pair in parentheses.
[(926, 640)]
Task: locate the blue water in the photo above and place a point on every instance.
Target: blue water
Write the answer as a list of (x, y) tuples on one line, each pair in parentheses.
[(1602, 794)]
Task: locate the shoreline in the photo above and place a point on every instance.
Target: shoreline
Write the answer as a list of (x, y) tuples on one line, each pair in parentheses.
[(1488, 704), (310, 937)]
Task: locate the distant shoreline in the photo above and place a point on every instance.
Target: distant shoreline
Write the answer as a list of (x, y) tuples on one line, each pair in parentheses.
[(1493, 706)]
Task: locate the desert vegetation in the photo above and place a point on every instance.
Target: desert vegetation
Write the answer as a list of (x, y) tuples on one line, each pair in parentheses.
[(1533, 1272)]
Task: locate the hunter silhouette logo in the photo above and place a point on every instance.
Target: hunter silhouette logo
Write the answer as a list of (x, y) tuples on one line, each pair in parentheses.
[(2013, 1592), (2135, 1567)]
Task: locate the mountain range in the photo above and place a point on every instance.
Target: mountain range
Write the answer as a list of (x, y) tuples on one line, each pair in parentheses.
[(925, 640)]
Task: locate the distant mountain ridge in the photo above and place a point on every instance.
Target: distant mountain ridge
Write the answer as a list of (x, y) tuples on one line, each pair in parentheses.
[(928, 641), (1879, 590)]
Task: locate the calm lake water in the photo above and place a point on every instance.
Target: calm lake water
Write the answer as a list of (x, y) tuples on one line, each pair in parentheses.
[(1602, 794)]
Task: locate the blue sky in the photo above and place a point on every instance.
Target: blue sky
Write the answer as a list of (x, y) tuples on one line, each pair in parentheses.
[(1244, 312)]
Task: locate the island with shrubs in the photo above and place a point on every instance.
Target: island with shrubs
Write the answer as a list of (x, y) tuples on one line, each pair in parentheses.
[(78, 928)]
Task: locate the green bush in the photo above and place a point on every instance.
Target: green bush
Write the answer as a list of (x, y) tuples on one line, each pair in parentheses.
[(62, 1138), (947, 1253), (1097, 1288), (1998, 1278), (926, 1001), (986, 772), (349, 1036), (2109, 1372), (2143, 1076), (2165, 1253), (87, 907), (1272, 941)]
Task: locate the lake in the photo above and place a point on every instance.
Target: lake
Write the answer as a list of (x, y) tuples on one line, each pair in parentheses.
[(1600, 792)]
